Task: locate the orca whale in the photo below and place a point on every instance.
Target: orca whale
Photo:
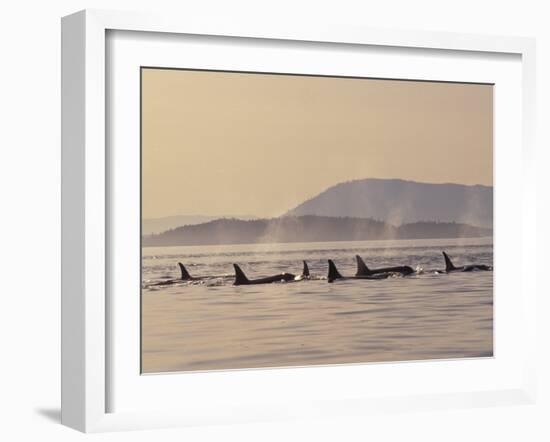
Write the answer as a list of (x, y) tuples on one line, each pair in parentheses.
[(334, 274), (305, 272), (450, 267), (185, 276), (241, 278), (363, 270)]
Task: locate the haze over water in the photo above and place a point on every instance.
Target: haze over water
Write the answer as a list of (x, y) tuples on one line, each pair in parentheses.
[(212, 325)]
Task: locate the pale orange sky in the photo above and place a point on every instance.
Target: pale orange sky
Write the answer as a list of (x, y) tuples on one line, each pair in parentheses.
[(216, 143)]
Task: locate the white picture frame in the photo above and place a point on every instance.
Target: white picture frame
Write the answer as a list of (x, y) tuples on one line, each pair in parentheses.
[(86, 206)]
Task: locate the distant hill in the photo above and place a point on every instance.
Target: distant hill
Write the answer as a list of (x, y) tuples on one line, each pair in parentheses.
[(399, 202), (306, 229), (158, 225)]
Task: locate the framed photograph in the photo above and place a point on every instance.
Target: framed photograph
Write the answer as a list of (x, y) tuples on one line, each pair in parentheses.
[(265, 223)]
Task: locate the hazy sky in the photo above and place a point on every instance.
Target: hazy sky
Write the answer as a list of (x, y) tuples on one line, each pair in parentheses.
[(216, 143)]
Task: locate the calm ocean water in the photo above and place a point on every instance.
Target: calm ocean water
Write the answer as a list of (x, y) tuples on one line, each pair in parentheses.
[(210, 324)]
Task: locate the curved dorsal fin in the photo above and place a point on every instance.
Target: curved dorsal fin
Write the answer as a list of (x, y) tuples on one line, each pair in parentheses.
[(305, 271), (240, 277), (185, 276), (333, 272), (362, 269), (448, 263)]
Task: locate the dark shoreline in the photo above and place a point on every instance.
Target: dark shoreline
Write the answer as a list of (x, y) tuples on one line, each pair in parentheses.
[(306, 229)]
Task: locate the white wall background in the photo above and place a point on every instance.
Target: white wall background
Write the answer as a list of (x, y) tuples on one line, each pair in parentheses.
[(30, 215)]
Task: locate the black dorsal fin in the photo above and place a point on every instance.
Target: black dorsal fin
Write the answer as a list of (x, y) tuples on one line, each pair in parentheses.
[(362, 269), (448, 263), (305, 271), (333, 272), (185, 276), (240, 277)]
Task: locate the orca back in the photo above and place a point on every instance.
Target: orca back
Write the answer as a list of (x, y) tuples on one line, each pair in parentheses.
[(362, 269), (305, 271), (185, 276), (333, 272), (448, 263), (240, 277)]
